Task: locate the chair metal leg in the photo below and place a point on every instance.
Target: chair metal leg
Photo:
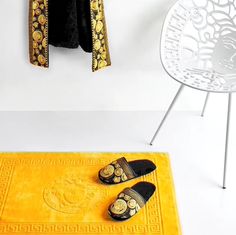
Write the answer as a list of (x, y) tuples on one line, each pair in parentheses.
[(205, 104), (227, 139), (167, 113)]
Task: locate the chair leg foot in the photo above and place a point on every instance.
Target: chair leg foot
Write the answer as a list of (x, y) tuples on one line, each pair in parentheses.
[(167, 113), (227, 140)]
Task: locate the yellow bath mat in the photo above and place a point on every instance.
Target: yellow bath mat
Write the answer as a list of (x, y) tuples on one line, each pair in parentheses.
[(59, 193)]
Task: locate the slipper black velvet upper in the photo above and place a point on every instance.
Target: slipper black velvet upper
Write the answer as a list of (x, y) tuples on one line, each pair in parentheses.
[(121, 171)]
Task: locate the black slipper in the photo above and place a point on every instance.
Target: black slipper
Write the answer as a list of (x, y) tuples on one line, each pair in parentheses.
[(131, 200), (120, 170)]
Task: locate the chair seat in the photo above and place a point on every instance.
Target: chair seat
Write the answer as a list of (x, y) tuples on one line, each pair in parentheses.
[(198, 44), (203, 79)]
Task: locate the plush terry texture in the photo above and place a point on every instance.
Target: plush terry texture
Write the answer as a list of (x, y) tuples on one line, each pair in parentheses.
[(70, 24), (59, 193)]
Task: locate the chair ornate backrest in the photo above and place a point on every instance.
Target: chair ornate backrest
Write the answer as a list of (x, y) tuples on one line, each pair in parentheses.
[(198, 44)]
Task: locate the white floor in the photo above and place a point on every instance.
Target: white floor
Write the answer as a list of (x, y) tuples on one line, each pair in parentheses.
[(196, 146)]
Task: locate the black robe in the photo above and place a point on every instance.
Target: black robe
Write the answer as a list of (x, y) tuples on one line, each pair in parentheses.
[(70, 24)]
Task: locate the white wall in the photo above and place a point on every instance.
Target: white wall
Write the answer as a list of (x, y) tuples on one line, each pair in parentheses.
[(136, 80)]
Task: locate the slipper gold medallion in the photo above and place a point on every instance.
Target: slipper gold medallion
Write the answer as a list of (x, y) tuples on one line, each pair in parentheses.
[(119, 207), (107, 171)]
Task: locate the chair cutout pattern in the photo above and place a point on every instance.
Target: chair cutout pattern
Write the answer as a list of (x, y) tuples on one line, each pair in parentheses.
[(198, 49)]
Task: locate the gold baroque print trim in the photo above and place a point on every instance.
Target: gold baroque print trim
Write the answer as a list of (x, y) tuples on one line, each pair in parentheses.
[(101, 55), (38, 32)]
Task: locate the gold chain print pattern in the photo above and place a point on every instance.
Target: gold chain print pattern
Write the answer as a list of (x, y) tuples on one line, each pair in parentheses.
[(101, 56), (39, 32)]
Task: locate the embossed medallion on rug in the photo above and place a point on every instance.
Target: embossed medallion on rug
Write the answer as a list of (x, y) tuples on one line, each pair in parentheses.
[(59, 193)]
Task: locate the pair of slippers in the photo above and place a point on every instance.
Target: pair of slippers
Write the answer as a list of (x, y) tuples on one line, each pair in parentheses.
[(130, 200)]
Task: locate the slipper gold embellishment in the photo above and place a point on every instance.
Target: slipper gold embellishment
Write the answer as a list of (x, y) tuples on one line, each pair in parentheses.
[(107, 171), (119, 207), (116, 172), (116, 179), (124, 177), (127, 198), (125, 205), (132, 204)]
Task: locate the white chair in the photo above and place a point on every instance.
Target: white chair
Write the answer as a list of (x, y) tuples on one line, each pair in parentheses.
[(198, 49)]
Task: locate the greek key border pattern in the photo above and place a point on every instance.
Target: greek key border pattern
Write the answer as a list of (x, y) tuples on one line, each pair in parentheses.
[(6, 170), (60, 161), (153, 212), (153, 224), (52, 228)]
